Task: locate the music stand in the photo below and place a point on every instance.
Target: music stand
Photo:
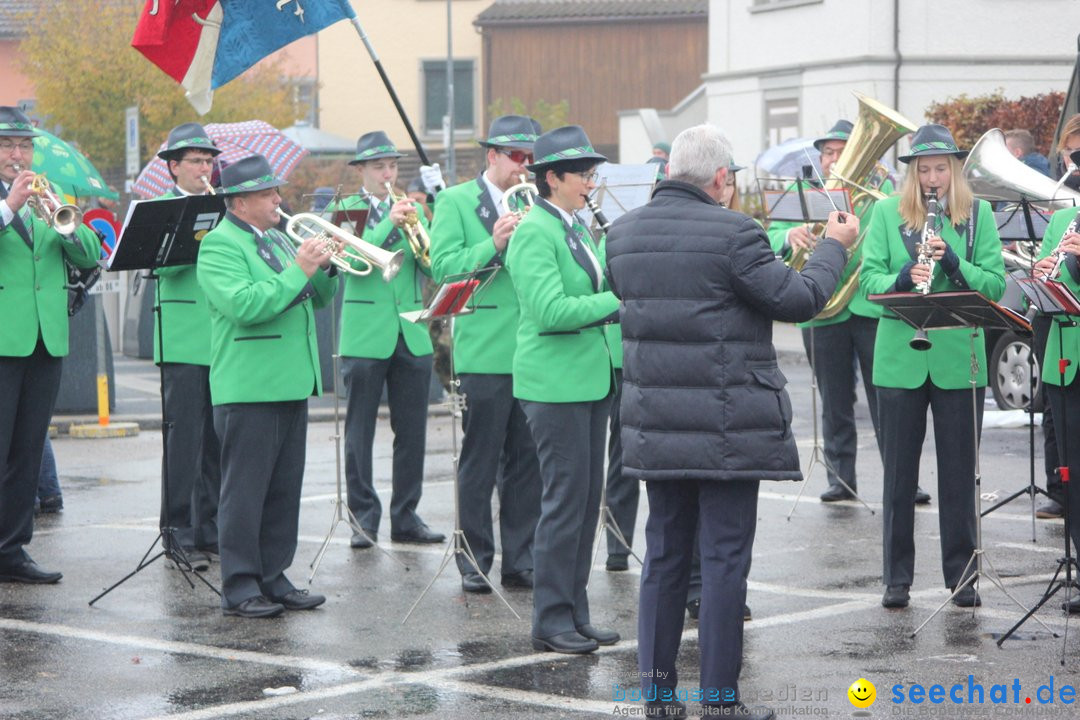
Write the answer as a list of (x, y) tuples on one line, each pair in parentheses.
[(161, 233), (973, 311), (456, 295), (1052, 297)]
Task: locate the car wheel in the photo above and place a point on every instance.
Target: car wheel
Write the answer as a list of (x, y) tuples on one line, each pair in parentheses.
[(1010, 373)]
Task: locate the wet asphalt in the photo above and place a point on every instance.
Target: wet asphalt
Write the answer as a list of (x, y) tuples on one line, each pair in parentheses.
[(156, 647)]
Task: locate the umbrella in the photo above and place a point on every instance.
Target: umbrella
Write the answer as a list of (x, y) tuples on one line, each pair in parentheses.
[(787, 158), (237, 141), (67, 168)]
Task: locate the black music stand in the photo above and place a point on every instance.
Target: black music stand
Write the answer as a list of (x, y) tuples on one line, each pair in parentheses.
[(456, 295), (1054, 298), (161, 233), (973, 311)]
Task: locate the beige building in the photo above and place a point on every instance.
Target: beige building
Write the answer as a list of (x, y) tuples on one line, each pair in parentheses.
[(410, 39)]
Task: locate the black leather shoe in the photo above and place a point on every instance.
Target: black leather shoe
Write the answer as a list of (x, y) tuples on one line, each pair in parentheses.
[(1050, 510), (570, 643), (896, 596), (473, 582), (670, 709), (746, 613), (212, 550), (738, 710), (49, 505), (617, 563), (602, 636), (1073, 606), (255, 607), (523, 579), (29, 572), (694, 608), (360, 541), (921, 496), (198, 560), (836, 493), (419, 534), (299, 600), (967, 597)]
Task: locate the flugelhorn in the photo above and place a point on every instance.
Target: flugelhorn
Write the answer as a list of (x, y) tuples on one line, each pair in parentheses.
[(418, 238), (60, 216), (304, 226), (525, 192)]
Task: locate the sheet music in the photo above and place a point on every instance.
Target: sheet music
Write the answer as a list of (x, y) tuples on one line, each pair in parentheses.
[(622, 188)]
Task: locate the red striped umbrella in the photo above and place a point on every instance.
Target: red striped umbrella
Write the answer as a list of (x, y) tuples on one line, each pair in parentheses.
[(236, 140)]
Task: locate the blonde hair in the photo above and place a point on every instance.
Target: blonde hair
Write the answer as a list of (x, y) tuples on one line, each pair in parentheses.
[(912, 205), (1071, 127)]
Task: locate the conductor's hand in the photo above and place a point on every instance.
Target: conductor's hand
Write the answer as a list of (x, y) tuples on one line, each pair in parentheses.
[(799, 238), (845, 232), (919, 273), (20, 190), (504, 228), (311, 255), (1044, 266)]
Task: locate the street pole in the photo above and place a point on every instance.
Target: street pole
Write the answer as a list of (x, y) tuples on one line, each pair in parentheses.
[(451, 170)]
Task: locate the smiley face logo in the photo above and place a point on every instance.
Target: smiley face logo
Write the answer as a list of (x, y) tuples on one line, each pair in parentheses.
[(862, 693)]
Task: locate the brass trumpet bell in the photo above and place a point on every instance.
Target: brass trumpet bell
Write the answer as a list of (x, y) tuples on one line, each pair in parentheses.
[(60, 216), (304, 226)]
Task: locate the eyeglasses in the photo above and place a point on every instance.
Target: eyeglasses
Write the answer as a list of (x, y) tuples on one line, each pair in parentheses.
[(199, 161), (518, 156), (591, 176), (27, 146)]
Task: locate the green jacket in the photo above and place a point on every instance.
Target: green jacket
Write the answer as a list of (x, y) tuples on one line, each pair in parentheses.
[(1070, 336), (859, 305), (370, 315), (558, 358), (465, 216), (263, 346), (33, 283), (888, 248), (186, 332)]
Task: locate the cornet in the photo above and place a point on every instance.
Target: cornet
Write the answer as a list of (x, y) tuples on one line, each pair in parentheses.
[(60, 216), (418, 238), (304, 226), (525, 192)]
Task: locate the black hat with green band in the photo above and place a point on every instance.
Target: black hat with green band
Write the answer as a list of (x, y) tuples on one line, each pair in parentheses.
[(933, 140), (511, 131), (374, 146), (250, 174), (565, 143), (189, 136), (840, 131), (14, 123)]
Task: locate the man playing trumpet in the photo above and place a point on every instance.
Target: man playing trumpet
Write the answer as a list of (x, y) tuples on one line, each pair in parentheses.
[(380, 348), (33, 339)]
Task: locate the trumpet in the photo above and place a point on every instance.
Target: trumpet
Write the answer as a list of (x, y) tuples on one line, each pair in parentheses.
[(418, 238), (525, 192), (60, 216), (304, 226)]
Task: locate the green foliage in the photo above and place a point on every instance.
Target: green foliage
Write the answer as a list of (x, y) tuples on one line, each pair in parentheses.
[(549, 115), (969, 117), (86, 73)]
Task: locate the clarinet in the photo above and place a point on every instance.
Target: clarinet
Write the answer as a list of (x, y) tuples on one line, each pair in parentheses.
[(926, 251), (601, 219), (1060, 254)]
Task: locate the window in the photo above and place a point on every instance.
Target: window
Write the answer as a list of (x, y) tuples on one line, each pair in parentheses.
[(435, 95), (306, 100), (781, 120)]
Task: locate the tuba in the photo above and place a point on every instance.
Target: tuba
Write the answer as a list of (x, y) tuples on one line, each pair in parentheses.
[(303, 226), (877, 128), (60, 216), (418, 238)]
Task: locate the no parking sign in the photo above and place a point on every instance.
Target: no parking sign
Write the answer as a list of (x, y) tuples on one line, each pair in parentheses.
[(105, 223)]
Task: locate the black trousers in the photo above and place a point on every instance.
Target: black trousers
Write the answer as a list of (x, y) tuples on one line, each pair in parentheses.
[(407, 378), (1065, 402), (28, 388), (722, 515), (263, 446), (903, 428), (497, 451), (570, 441), (836, 350), (191, 481), (622, 493)]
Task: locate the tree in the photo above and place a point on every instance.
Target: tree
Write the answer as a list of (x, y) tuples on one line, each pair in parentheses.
[(549, 115), (86, 73), (969, 117)]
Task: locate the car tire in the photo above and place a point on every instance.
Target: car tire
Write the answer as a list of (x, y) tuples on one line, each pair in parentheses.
[(1009, 375)]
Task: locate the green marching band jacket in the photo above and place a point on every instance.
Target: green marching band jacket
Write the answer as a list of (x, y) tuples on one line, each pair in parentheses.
[(461, 241), (859, 305), (888, 246), (33, 282), (186, 329), (370, 319), (1068, 344), (263, 345), (562, 355)]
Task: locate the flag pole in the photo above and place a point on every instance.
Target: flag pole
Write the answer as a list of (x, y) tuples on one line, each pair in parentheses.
[(351, 14)]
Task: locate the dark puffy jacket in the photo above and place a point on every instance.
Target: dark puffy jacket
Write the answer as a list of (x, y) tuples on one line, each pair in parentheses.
[(702, 395)]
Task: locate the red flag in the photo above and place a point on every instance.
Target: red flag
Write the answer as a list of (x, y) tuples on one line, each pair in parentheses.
[(180, 37)]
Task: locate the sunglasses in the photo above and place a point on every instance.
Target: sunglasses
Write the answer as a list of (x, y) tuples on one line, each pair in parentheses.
[(519, 157)]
